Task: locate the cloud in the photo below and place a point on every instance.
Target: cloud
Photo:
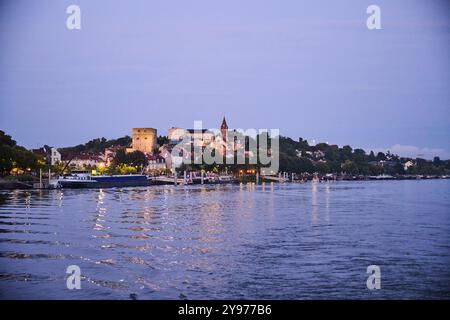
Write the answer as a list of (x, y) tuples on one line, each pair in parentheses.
[(416, 152)]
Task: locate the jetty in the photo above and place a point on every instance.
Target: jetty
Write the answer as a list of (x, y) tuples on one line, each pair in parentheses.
[(273, 179), (168, 180)]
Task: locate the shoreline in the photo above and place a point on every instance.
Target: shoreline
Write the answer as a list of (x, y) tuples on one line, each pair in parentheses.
[(9, 185)]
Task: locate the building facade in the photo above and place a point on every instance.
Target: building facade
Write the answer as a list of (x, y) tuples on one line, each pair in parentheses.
[(144, 140), (156, 163), (55, 156), (83, 161), (50, 154)]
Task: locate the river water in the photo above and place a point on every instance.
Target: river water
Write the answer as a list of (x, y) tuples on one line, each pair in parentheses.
[(271, 241)]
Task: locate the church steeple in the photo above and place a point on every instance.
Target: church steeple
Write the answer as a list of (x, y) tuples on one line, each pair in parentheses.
[(224, 124), (224, 129)]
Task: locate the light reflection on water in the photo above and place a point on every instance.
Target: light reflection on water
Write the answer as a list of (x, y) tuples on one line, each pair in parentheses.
[(291, 241)]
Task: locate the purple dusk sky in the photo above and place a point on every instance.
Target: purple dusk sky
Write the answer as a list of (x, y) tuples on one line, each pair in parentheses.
[(310, 68)]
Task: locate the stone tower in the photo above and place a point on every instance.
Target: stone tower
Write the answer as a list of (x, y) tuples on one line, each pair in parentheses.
[(144, 139)]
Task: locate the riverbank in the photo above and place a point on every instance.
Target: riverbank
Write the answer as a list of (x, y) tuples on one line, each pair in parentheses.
[(15, 184), (379, 177)]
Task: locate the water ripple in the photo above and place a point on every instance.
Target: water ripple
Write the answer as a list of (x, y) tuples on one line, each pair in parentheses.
[(274, 241)]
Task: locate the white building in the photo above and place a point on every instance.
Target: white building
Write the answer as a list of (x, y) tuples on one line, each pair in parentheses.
[(408, 164), (55, 156), (156, 163), (50, 154), (84, 160)]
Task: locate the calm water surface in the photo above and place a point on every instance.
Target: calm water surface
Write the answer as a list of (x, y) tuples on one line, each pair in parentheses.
[(275, 241)]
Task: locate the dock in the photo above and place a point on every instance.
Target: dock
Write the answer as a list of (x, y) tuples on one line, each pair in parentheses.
[(274, 179), (168, 180)]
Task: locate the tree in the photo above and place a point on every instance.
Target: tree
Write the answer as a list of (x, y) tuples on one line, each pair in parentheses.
[(376, 170), (359, 155), (381, 156), (322, 146), (437, 161), (6, 158), (134, 159), (346, 153), (97, 145), (12, 155), (120, 157), (332, 153), (137, 158), (161, 140), (303, 144), (6, 140), (349, 167), (322, 167)]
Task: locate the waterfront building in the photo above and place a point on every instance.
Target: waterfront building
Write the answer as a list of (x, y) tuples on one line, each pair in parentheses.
[(50, 154), (156, 163), (55, 156), (84, 160)]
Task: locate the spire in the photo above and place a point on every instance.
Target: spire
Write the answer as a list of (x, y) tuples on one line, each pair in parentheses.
[(224, 124)]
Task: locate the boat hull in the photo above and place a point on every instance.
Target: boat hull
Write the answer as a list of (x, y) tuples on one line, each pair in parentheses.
[(107, 182)]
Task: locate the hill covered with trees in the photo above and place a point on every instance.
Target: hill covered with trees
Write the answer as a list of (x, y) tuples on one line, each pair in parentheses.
[(295, 156), (298, 156), (96, 146)]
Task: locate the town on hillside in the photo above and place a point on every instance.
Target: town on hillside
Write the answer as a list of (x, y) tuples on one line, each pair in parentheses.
[(147, 153)]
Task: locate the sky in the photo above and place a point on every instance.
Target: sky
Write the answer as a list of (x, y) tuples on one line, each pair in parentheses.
[(311, 69)]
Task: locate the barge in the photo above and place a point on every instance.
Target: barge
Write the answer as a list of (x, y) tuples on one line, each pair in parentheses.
[(82, 179)]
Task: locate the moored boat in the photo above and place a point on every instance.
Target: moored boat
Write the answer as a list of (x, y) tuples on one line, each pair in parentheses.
[(82, 179)]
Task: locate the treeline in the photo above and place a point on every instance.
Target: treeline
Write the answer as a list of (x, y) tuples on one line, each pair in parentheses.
[(96, 146), (295, 156), (299, 156), (13, 156), (99, 145)]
